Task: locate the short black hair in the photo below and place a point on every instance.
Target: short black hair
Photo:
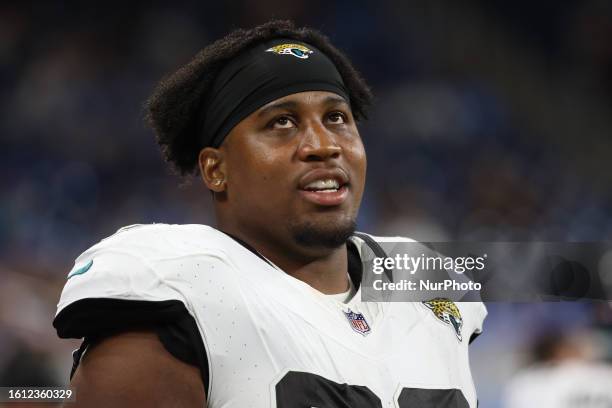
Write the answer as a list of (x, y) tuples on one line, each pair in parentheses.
[(173, 108)]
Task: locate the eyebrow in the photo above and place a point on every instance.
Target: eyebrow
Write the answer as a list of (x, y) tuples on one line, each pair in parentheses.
[(277, 106), (335, 100), (329, 100)]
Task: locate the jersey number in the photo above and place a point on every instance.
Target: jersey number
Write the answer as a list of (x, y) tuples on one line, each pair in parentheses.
[(305, 390)]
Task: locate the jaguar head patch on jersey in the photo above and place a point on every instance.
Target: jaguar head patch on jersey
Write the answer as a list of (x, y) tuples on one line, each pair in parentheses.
[(357, 322), (297, 50), (448, 312)]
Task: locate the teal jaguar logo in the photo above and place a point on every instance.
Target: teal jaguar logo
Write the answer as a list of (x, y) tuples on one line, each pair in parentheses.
[(81, 270), (297, 50)]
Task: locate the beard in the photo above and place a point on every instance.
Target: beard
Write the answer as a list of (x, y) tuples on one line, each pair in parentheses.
[(323, 234)]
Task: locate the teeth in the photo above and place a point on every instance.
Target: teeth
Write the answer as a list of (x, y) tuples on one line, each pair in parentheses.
[(329, 184)]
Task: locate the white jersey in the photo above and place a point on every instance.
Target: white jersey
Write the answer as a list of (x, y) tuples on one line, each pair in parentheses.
[(272, 340)]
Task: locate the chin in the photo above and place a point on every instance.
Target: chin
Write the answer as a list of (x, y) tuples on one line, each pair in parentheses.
[(322, 234)]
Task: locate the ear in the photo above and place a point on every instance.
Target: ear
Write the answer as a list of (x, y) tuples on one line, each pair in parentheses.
[(212, 169)]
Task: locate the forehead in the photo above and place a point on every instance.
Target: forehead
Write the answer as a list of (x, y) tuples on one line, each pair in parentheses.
[(305, 99), (301, 101)]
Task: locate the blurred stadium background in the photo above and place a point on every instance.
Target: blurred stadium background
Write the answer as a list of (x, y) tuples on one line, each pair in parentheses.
[(493, 122)]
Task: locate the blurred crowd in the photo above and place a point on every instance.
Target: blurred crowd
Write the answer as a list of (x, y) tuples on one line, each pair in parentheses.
[(492, 122)]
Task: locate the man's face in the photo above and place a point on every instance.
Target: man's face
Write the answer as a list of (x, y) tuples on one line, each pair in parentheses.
[(295, 169)]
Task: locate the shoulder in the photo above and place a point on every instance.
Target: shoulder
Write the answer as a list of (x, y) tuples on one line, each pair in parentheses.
[(145, 248), (146, 263), (138, 248), (473, 313), (160, 239)]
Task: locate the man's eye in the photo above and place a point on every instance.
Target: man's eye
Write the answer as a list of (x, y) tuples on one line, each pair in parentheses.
[(283, 122), (337, 117)]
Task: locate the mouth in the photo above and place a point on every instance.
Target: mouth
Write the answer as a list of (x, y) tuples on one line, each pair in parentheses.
[(325, 187)]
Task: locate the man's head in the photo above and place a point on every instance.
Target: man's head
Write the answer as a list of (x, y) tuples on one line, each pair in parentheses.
[(283, 160)]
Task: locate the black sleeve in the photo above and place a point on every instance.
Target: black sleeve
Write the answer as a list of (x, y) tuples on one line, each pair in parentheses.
[(95, 319)]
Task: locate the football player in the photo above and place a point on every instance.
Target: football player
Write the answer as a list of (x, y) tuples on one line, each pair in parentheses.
[(263, 309)]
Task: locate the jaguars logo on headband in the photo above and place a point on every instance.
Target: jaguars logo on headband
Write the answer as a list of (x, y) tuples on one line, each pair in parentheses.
[(297, 50), (447, 312)]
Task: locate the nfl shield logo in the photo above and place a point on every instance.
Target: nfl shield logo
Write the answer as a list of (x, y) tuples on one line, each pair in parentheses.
[(357, 322)]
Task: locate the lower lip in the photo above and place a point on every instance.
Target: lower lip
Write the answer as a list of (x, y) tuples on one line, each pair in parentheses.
[(326, 199)]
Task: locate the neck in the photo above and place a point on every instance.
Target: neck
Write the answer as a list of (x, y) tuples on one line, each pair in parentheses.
[(324, 269)]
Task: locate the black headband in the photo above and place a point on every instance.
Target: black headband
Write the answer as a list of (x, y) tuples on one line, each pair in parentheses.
[(260, 75)]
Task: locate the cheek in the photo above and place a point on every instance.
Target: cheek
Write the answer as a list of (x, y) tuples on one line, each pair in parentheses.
[(256, 171), (356, 156)]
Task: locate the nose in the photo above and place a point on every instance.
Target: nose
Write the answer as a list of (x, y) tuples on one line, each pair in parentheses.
[(318, 144)]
